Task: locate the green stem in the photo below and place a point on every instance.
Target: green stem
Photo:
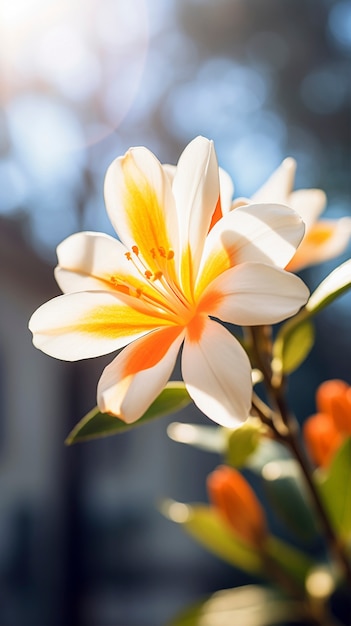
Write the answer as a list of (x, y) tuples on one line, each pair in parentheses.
[(286, 429), (292, 441)]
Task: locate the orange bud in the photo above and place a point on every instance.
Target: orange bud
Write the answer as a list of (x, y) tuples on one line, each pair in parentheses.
[(322, 438), (341, 411), (326, 392), (235, 500)]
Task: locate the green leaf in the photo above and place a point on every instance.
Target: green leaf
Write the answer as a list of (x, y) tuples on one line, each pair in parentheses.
[(335, 489), (252, 605), (291, 560), (333, 286), (210, 530), (242, 442), (293, 346), (286, 492), (95, 424), (295, 338)]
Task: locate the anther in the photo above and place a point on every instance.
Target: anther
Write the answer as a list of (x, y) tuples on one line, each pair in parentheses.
[(135, 250), (153, 253), (162, 251), (157, 276), (128, 255), (148, 274), (170, 254)]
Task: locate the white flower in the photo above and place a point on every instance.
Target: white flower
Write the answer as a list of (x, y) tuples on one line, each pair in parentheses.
[(163, 285), (324, 238)]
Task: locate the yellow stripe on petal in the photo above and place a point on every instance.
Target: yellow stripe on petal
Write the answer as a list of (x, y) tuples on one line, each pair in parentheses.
[(320, 233), (87, 324), (116, 321), (187, 275), (146, 217), (220, 260)]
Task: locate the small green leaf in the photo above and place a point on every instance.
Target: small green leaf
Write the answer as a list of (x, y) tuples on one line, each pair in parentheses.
[(293, 345), (242, 442), (208, 528), (95, 424), (333, 286), (295, 338), (251, 605), (335, 488)]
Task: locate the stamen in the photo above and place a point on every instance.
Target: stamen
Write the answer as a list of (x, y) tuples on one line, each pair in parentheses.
[(157, 276), (120, 286), (162, 280)]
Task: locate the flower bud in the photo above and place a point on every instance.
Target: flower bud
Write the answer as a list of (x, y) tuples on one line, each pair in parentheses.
[(326, 394), (341, 411), (322, 438), (237, 503)]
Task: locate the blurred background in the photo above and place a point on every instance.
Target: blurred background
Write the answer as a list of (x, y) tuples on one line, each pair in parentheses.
[(81, 540)]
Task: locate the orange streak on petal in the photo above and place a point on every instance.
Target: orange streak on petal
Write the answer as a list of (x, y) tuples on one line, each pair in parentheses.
[(319, 233), (210, 302), (195, 328), (309, 251), (152, 349), (217, 214)]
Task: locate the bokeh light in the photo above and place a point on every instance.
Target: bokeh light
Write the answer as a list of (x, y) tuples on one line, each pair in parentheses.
[(76, 51)]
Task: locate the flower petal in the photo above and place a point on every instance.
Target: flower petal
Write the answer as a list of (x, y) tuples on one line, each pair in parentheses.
[(254, 294), (224, 202), (308, 203), (325, 240), (196, 192), (263, 233), (217, 375), (279, 185), (141, 206), (93, 262), (138, 374), (83, 325), (226, 188)]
